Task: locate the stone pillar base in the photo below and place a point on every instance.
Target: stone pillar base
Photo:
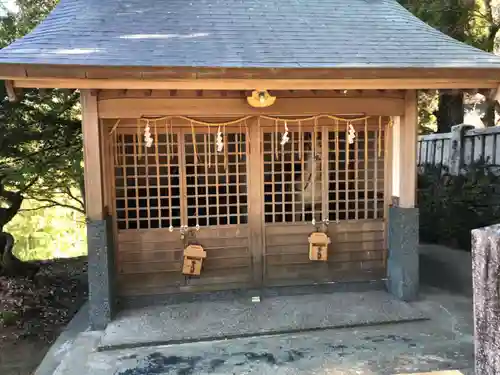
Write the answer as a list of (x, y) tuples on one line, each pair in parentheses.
[(101, 269), (402, 261), (486, 285)]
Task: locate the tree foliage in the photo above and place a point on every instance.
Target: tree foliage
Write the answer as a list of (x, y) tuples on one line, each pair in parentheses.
[(40, 141), (57, 232), (40, 134), (29, 14), (475, 22), (451, 206)]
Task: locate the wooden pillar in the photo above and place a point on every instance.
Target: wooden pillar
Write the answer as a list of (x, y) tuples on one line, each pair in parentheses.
[(92, 157), (402, 236), (99, 228), (404, 154), (408, 152), (396, 159), (255, 194)]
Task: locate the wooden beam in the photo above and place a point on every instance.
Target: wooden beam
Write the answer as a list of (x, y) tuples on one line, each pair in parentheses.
[(161, 73), (252, 84), (408, 152), (242, 94), (92, 157), (134, 108)]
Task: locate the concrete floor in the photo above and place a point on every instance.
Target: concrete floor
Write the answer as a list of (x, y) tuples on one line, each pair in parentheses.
[(236, 318), (443, 342)]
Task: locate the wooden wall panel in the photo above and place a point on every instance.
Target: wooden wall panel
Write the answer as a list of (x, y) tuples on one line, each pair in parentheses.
[(150, 261), (357, 252)]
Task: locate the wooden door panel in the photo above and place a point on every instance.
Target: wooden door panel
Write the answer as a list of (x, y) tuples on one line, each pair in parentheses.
[(319, 176), (216, 198), (181, 181)]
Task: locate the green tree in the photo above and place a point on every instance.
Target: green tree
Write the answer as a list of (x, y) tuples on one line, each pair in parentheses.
[(40, 138), (475, 22)]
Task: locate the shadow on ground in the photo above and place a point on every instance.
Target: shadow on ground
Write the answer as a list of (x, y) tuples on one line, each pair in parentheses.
[(447, 269)]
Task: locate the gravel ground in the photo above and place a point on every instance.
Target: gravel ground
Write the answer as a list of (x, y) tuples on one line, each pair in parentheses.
[(33, 312)]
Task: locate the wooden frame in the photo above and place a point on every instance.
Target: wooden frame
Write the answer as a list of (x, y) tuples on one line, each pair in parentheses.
[(251, 84), (138, 107)]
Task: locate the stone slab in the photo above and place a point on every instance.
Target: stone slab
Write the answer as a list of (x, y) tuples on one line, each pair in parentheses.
[(64, 343), (451, 372), (83, 346), (134, 302), (214, 320)]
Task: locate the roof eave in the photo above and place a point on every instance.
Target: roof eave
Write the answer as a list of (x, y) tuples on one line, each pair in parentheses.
[(127, 77)]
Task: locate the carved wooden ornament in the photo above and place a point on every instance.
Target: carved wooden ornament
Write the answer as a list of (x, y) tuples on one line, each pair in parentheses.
[(318, 246), (193, 260), (261, 99)]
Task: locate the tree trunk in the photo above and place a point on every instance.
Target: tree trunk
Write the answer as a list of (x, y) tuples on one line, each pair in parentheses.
[(450, 112), (489, 116), (81, 183), (15, 199), (10, 265)]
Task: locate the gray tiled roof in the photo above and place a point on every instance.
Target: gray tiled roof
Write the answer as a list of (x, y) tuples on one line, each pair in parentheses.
[(241, 33)]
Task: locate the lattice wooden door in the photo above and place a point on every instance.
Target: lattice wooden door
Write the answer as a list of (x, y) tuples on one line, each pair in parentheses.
[(216, 202), (253, 202), (181, 181), (327, 180)]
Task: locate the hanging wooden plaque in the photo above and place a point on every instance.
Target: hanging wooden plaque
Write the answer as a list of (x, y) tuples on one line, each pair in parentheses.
[(193, 260), (318, 246)]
